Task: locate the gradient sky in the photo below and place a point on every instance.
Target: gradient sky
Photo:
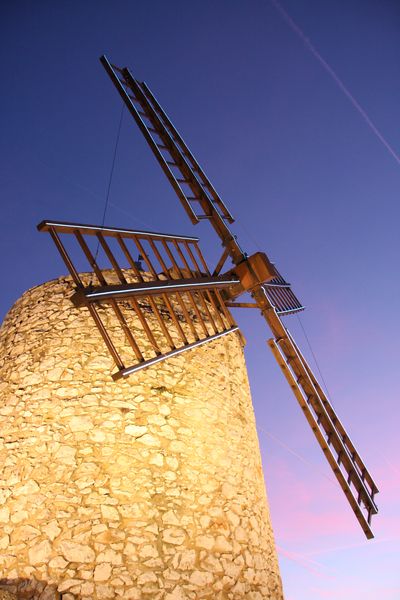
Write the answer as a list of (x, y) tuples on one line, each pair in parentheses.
[(303, 172)]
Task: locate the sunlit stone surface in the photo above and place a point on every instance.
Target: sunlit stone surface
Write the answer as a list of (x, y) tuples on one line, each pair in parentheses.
[(149, 487)]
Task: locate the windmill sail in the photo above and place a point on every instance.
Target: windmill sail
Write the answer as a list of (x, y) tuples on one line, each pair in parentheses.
[(281, 296), (173, 305), (347, 465), (195, 191), (192, 186)]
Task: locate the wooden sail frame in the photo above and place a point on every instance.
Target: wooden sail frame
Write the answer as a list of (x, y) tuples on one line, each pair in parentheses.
[(180, 296)]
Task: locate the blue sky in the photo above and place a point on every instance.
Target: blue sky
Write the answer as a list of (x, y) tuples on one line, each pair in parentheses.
[(306, 178)]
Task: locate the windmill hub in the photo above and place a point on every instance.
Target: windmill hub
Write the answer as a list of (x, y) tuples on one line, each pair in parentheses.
[(252, 272)]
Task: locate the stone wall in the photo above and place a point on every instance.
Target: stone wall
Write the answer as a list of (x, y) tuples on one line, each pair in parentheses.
[(149, 487)]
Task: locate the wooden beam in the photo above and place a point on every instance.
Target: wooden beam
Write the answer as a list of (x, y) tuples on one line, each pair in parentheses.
[(150, 288)]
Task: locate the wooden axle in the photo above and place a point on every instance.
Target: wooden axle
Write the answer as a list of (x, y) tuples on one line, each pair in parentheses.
[(251, 272)]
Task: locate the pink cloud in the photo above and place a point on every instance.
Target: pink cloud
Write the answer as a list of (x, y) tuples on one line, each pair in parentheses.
[(306, 508), (345, 592)]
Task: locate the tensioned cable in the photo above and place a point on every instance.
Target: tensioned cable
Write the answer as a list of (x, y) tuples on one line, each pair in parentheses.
[(315, 359), (108, 187), (111, 175), (113, 164)]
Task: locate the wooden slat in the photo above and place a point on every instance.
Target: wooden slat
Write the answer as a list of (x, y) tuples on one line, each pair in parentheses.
[(92, 261), (192, 299), (90, 258), (242, 305), (228, 315), (64, 254), (133, 302), (200, 294), (165, 298), (161, 322), (146, 257), (201, 257), (66, 227), (190, 295), (208, 293), (178, 296), (129, 370), (107, 340), (129, 258), (111, 257), (92, 310), (221, 261), (150, 299), (143, 321), (175, 319), (155, 288)]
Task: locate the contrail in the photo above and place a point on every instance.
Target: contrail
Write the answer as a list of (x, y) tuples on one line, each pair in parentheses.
[(349, 547), (335, 78), (296, 454), (313, 566)]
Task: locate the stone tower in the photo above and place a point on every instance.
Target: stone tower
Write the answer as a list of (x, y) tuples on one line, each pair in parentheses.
[(149, 487)]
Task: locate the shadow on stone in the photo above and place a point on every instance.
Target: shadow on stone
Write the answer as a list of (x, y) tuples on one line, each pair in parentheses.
[(28, 589)]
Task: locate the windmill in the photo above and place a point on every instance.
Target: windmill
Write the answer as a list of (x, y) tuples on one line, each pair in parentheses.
[(190, 302)]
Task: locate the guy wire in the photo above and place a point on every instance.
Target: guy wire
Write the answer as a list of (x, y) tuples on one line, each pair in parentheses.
[(109, 184), (111, 175), (315, 358)]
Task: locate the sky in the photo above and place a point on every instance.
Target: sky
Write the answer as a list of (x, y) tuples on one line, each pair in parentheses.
[(292, 110)]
